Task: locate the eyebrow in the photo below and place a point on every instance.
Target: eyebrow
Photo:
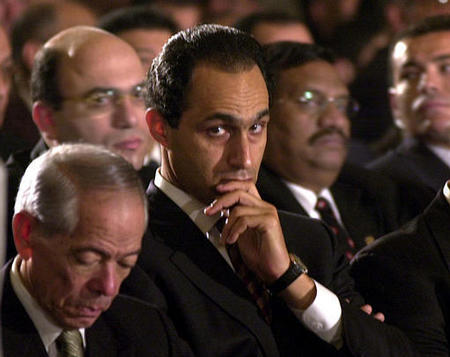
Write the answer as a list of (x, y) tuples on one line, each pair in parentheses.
[(439, 58), (231, 119), (106, 89), (103, 253)]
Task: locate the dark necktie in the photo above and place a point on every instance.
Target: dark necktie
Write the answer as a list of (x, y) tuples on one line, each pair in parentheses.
[(327, 215), (255, 287), (70, 344)]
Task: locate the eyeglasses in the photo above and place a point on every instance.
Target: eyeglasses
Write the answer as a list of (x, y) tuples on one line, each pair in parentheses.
[(106, 99), (315, 103)]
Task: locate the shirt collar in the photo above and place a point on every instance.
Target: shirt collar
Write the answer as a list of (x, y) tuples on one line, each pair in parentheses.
[(191, 206), (442, 153), (447, 191), (47, 330)]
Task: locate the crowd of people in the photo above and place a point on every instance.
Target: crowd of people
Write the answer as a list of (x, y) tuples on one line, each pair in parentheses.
[(226, 178)]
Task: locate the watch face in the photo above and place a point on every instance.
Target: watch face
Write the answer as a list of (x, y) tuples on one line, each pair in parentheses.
[(297, 261)]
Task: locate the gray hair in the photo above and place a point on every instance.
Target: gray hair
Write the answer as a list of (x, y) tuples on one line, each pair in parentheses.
[(52, 183)]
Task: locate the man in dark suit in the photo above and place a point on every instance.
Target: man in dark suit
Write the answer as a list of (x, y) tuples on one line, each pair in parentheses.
[(420, 97), (91, 92), (79, 219), (406, 275), (208, 103), (307, 146)]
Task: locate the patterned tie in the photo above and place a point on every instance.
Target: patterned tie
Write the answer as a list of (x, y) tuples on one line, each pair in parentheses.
[(255, 287), (327, 215), (70, 344)]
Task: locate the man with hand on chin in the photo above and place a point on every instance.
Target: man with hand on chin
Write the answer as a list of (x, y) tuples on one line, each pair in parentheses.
[(208, 107)]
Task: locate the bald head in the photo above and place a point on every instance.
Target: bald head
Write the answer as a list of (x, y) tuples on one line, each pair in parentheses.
[(86, 86)]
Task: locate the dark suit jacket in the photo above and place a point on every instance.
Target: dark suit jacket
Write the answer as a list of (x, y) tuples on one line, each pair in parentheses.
[(17, 164), (415, 168), (367, 202), (213, 311), (407, 275), (128, 328)]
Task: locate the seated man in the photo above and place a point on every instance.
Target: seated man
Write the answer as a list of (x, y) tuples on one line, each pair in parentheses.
[(79, 218), (420, 103), (307, 145), (208, 100), (87, 86), (406, 275)]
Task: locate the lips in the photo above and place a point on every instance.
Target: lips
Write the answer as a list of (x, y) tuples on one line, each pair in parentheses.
[(429, 105), (330, 140), (128, 144)]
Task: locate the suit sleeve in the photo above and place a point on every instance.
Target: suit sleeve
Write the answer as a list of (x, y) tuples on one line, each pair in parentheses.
[(408, 300)]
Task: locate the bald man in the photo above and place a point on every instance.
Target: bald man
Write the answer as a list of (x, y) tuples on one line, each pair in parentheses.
[(86, 86)]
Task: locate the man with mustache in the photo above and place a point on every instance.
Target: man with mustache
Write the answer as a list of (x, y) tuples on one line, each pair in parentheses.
[(420, 102), (87, 86), (231, 286), (80, 215), (303, 165)]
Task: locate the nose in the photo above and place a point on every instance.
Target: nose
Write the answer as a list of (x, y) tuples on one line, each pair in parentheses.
[(332, 116), (127, 113), (106, 282), (239, 151), (430, 81)]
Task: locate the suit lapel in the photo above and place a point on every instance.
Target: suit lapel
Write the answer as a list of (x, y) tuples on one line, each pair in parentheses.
[(200, 262), (20, 337), (437, 217), (273, 190)]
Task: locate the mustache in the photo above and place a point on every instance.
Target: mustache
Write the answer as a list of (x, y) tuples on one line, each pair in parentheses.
[(238, 175), (328, 131)]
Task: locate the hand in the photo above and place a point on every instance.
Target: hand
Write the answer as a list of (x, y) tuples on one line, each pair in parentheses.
[(368, 310), (254, 225)]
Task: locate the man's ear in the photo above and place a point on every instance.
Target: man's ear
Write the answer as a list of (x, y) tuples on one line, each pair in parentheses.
[(29, 50), (157, 126), (43, 118), (23, 225), (396, 112)]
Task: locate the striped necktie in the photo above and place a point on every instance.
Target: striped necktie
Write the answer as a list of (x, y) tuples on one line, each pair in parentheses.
[(70, 344)]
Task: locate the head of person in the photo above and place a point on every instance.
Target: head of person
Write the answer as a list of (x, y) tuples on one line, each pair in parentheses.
[(145, 29), (420, 80), (5, 72), (208, 102), (310, 126), (87, 86), (79, 218), (268, 27), (36, 25)]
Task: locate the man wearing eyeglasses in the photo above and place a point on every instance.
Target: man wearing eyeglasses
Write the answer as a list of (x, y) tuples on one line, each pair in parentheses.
[(87, 87), (303, 170)]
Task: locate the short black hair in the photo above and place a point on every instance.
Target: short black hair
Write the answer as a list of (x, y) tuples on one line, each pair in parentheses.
[(249, 22), (428, 25), (35, 23), (136, 17), (224, 47), (280, 56), (44, 77)]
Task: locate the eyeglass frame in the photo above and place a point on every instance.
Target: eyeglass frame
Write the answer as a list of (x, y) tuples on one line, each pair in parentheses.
[(325, 102), (115, 97)]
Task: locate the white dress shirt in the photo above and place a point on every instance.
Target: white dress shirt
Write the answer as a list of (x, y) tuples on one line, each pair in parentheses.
[(323, 316), (46, 328)]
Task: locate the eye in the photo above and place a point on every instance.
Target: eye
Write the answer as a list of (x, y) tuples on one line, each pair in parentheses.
[(310, 99), (138, 92), (87, 258), (216, 131), (100, 98), (257, 128), (410, 74), (445, 68)]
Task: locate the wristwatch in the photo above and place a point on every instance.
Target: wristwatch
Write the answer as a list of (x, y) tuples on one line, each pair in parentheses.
[(296, 268)]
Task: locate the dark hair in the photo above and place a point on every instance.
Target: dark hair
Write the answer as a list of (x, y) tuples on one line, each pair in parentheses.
[(35, 23), (44, 77), (280, 56), (248, 23), (227, 48), (136, 17), (423, 27)]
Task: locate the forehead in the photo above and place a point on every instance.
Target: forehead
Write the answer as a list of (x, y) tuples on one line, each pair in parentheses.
[(271, 32), (212, 90), (146, 37), (318, 75), (109, 63), (421, 49)]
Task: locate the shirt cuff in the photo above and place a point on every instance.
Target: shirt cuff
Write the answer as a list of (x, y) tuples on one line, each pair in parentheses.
[(323, 317)]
